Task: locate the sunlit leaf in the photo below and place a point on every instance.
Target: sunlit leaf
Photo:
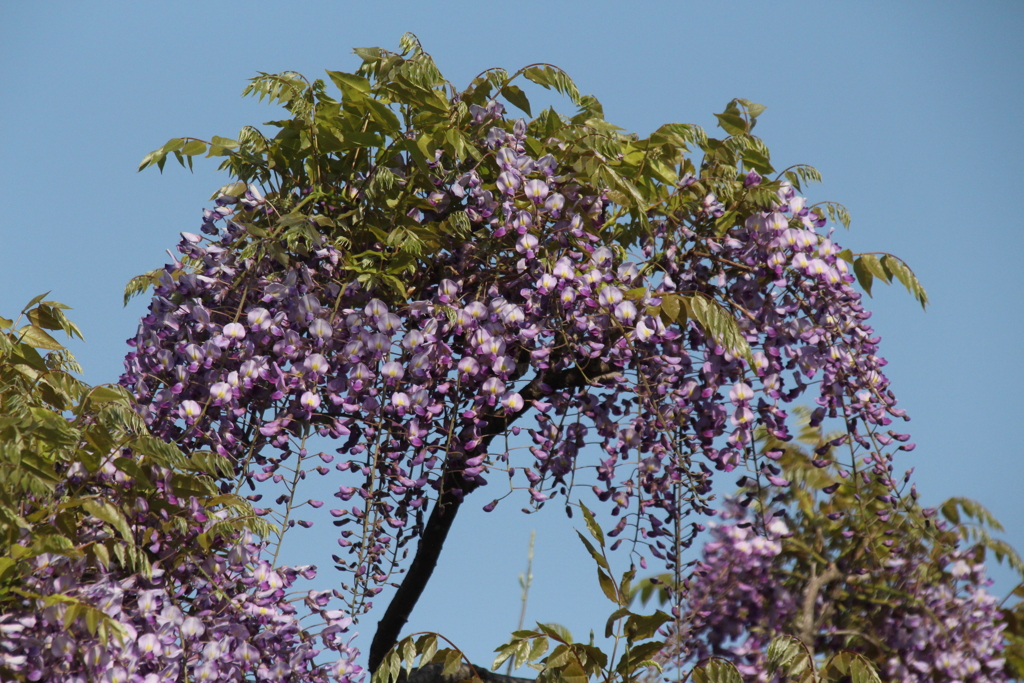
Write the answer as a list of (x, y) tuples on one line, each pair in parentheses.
[(38, 338)]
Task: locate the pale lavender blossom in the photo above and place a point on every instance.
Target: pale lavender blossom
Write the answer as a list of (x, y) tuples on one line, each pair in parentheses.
[(508, 182), (564, 269), (493, 386), (536, 191), (392, 370), (321, 329), (317, 364), (610, 296), (220, 391), (625, 311), (234, 331), (258, 319), (190, 410), (512, 401)]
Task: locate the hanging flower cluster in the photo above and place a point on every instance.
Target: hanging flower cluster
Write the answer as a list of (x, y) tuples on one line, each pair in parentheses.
[(735, 603), (202, 606), (537, 312), (945, 627)]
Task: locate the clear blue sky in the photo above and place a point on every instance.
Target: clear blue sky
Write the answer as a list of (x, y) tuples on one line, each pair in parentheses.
[(912, 111)]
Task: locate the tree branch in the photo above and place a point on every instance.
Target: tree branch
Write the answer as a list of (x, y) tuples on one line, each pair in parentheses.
[(808, 624), (443, 514), (429, 549)]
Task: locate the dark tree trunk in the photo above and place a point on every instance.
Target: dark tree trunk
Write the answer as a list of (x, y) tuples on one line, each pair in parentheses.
[(389, 628)]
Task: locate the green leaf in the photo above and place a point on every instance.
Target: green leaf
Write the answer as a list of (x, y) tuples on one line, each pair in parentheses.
[(101, 553), (874, 266), (864, 276), (539, 648), (619, 182), (167, 454), (515, 95), (609, 626), (650, 586), (671, 305), (38, 338), (34, 301), (383, 116), (903, 273), (836, 211), (733, 124), (862, 671), (452, 662), (110, 514), (407, 648), (132, 469), (553, 77), (759, 162), (723, 224), (154, 157), (23, 354), (427, 646), (573, 673), (717, 670), (103, 394), (639, 627), (455, 142), (172, 145), (224, 142), (41, 316), (592, 525), (719, 324), (849, 666), (678, 135), (230, 190), (804, 173), (626, 583), (140, 283), (419, 156), (598, 557), (193, 147), (554, 631), (350, 84), (504, 652), (753, 108), (783, 653), (100, 440), (608, 586), (637, 655), (71, 614), (92, 620), (950, 510), (54, 543)]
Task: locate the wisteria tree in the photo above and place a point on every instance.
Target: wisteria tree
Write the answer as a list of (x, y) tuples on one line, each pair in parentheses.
[(432, 302)]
